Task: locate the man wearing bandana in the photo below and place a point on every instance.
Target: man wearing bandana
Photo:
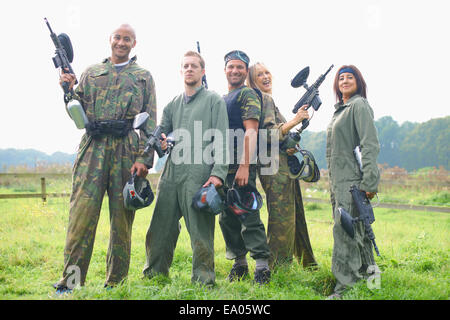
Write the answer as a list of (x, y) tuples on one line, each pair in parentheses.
[(244, 112)]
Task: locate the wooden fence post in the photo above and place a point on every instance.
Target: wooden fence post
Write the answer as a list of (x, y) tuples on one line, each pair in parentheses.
[(43, 191)]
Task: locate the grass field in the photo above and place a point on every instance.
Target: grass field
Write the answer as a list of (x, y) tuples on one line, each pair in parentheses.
[(414, 247)]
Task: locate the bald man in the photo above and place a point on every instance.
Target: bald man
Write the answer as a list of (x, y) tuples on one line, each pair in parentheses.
[(112, 93)]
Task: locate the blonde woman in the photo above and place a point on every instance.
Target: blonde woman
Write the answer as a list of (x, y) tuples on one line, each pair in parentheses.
[(287, 233)]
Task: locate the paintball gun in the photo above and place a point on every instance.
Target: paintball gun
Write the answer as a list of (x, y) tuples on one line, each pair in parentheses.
[(365, 215), (204, 76), (310, 98), (154, 142), (63, 57)]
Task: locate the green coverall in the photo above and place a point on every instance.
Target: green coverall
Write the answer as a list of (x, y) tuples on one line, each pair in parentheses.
[(352, 125), (180, 180)]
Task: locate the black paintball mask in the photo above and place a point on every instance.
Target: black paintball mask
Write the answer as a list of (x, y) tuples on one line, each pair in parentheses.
[(207, 199), (137, 193), (243, 201), (303, 166)]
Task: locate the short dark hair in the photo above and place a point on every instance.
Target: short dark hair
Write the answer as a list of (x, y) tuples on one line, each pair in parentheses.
[(360, 83)]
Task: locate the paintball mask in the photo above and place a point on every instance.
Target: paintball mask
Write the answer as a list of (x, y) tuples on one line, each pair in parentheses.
[(137, 193), (302, 165), (208, 199), (244, 200)]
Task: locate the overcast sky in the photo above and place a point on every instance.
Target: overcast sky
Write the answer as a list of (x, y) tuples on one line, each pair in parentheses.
[(401, 47)]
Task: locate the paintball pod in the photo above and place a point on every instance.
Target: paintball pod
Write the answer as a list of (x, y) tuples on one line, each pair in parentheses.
[(204, 83), (310, 98), (365, 215), (63, 57)]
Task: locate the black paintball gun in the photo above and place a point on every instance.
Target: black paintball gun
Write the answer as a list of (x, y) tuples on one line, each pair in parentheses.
[(310, 98), (63, 58), (204, 83), (365, 215), (154, 142)]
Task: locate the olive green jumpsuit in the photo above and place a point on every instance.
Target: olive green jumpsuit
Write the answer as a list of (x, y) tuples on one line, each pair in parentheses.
[(187, 168), (352, 125)]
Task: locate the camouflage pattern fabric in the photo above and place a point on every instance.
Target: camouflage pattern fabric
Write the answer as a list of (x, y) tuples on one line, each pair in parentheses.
[(103, 164), (287, 231), (352, 124), (250, 105)]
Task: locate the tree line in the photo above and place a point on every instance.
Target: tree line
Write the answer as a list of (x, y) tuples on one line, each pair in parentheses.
[(410, 146)]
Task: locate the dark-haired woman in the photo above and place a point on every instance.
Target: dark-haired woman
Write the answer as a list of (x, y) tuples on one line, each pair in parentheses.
[(352, 125), (287, 232)]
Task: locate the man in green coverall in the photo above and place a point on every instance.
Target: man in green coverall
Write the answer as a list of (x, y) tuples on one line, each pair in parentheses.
[(115, 90), (244, 112), (198, 119)]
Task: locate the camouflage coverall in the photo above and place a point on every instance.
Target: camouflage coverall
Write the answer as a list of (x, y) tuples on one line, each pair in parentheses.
[(287, 232), (249, 234), (104, 163), (352, 125), (204, 112)]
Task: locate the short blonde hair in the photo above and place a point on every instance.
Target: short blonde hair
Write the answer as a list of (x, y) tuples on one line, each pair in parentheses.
[(196, 54)]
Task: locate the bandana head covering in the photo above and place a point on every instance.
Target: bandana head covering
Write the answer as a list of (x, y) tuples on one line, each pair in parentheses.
[(347, 70), (237, 55)]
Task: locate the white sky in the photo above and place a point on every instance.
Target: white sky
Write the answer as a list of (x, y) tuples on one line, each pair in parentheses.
[(401, 47)]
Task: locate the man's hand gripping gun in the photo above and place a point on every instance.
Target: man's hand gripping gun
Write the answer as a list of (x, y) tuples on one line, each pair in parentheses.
[(154, 142)]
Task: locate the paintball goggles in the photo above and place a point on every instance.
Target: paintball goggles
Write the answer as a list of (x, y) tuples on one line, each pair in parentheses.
[(303, 166), (137, 193)]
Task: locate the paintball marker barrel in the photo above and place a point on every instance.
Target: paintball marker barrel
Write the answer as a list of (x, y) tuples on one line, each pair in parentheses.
[(204, 82)]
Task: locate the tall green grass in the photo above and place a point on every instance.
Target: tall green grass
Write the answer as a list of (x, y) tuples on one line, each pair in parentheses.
[(414, 263)]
